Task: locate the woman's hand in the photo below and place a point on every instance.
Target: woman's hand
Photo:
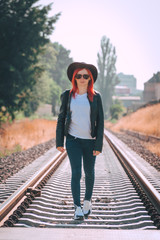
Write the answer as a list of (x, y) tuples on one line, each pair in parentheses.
[(95, 153), (61, 149)]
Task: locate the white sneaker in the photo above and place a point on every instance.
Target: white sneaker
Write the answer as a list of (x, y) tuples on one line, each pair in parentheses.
[(87, 207), (78, 215)]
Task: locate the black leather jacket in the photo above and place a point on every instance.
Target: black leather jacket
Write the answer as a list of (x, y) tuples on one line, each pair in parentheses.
[(96, 117)]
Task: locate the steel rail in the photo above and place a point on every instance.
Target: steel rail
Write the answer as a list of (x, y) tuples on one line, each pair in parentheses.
[(7, 206), (151, 192)]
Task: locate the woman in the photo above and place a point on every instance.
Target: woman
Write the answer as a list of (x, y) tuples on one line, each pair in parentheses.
[(81, 121)]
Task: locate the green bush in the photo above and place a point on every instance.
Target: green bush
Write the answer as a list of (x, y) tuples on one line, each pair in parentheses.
[(116, 110)]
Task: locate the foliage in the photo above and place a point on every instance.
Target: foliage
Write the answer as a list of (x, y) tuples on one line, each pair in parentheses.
[(55, 61), (107, 77), (116, 109), (40, 93), (48, 59), (24, 29), (55, 97), (58, 73), (4, 115)]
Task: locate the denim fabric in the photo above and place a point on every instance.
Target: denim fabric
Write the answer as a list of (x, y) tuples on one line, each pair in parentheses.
[(77, 150)]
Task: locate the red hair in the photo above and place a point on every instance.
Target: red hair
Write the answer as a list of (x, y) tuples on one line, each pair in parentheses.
[(90, 89)]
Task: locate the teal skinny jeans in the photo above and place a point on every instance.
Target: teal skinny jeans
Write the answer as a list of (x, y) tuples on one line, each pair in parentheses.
[(78, 149)]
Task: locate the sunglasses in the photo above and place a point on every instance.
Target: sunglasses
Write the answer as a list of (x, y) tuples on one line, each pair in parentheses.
[(79, 76)]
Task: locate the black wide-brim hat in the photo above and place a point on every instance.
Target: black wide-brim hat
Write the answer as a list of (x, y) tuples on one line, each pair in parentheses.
[(75, 65)]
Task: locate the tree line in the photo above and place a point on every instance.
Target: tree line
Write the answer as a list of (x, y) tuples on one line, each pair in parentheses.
[(33, 69)]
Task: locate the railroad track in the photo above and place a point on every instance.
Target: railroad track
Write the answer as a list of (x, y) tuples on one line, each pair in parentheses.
[(126, 193)]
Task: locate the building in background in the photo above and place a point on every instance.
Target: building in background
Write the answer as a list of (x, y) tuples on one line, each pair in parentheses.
[(122, 90), (126, 91), (128, 81), (129, 102), (152, 89)]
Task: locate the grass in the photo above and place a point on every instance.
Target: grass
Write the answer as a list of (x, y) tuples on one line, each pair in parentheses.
[(145, 120), (155, 148), (6, 152), (24, 134)]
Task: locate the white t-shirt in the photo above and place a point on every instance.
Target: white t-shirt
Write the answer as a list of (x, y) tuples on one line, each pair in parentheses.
[(80, 117)]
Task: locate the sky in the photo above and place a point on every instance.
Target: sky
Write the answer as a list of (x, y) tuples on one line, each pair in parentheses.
[(131, 25)]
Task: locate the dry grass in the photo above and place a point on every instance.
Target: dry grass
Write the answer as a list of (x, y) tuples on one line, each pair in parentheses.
[(145, 120), (154, 148), (108, 124), (27, 133)]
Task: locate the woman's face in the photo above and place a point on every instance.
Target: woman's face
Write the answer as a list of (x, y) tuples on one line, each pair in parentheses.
[(82, 78)]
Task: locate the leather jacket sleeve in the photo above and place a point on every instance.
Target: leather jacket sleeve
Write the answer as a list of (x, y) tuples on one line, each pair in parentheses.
[(99, 126), (60, 130)]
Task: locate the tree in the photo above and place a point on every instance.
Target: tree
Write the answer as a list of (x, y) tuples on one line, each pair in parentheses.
[(107, 77), (63, 60), (55, 94), (41, 93), (116, 109), (24, 29), (55, 61)]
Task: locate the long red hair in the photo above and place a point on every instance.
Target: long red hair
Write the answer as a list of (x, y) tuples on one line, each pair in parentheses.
[(90, 89)]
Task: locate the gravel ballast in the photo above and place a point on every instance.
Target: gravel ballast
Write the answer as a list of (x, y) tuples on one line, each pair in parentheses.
[(137, 145), (12, 164)]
